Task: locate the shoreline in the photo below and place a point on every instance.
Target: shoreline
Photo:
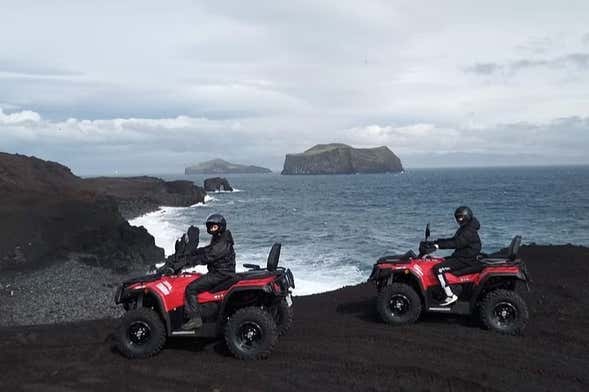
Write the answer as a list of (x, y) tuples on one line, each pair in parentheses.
[(337, 343)]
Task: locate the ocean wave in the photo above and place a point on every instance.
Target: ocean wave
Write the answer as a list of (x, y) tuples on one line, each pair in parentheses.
[(160, 225), (314, 273), (209, 199), (235, 190)]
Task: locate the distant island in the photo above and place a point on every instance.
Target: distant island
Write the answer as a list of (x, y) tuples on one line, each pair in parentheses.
[(220, 166), (338, 158)]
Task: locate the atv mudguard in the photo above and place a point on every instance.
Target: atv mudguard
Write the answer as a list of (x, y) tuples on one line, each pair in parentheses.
[(483, 285)]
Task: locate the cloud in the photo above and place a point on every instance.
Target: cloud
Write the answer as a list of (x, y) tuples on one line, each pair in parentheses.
[(12, 67), (561, 140), (169, 144), (19, 118), (140, 86), (573, 61)]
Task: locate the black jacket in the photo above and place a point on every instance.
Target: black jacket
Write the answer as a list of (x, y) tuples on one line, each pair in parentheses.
[(219, 256), (466, 241)]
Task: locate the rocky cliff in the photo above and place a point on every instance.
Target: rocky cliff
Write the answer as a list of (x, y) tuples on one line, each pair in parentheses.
[(49, 213), (139, 195), (342, 159)]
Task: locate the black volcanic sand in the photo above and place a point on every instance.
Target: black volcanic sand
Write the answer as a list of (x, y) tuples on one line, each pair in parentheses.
[(336, 344)]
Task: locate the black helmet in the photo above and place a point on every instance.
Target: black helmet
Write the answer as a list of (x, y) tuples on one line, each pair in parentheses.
[(463, 215), (216, 219)]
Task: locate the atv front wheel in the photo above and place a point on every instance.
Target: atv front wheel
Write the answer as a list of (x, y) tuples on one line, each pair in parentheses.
[(398, 304), (504, 311), (251, 333), (141, 334), (283, 315)]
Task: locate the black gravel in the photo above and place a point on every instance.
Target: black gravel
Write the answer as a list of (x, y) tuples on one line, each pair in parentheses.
[(66, 291)]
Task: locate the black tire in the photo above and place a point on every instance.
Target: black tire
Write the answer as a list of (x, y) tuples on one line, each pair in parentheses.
[(141, 334), (283, 316), (251, 333), (398, 304), (504, 311)]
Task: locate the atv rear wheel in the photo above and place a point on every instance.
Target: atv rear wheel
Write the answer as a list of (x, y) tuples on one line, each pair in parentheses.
[(141, 334), (504, 311), (283, 316), (398, 304), (251, 333)]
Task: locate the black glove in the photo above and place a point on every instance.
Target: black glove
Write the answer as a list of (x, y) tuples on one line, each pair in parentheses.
[(186, 245), (193, 237), (427, 247)]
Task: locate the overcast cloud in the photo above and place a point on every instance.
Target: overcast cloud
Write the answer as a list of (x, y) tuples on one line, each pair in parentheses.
[(149, 86)]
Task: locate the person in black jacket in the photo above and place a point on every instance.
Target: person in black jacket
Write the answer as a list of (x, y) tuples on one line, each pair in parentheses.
[(219, 258), (467, 245)]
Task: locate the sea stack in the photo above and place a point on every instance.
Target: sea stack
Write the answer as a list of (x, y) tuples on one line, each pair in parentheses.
[(217, 184), (342, 159)]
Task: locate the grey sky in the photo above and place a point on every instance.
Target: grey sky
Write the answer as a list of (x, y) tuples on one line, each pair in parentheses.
[(148, 86)]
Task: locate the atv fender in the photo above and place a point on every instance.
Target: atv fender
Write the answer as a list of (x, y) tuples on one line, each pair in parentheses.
[(235, 292), (483, 285), (402, 276), (145, 295)]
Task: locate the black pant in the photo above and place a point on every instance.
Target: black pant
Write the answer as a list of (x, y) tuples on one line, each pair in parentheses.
[(204, 283), (449, 265)]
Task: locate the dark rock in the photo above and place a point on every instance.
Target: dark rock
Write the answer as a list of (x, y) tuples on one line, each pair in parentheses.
[(216, 184), (219, 166), (139, 195), (47, 213), (342, 159)]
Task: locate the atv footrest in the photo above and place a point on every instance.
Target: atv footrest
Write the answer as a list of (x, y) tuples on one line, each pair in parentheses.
[(460, 307), (208, 330)]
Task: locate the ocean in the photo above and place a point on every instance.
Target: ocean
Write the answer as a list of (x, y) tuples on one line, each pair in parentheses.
[(333, 228)]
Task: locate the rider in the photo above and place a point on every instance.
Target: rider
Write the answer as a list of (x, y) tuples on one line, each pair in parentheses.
[(467, 245), (219, 258)]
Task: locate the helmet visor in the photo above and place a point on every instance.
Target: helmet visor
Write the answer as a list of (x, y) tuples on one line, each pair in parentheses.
[(460, 218), (213, 228)]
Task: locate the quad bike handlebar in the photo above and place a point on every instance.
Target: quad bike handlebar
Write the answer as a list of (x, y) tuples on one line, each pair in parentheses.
[(426, 248)]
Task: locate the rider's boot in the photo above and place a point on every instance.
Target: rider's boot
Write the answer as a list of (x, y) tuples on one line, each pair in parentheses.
[(450, 297), (194, 323), (192, 312)]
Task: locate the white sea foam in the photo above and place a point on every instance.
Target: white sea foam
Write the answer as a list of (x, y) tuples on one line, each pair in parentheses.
[(161, 227), (169, 223), (311, 277), (235, 190)]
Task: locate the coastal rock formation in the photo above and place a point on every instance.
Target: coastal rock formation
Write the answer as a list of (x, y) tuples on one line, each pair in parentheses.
[(342, 159), (49, 213), (216, 184), (219, 166), (139, 195)]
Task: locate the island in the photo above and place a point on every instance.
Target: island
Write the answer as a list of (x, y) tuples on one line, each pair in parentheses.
[(220, 166), (339, 158)]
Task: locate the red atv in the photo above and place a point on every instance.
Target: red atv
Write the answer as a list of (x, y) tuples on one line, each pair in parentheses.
[(250, 310), (407, 287)]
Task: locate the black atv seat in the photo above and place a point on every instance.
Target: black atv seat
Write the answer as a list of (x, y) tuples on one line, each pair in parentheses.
[(399, 259), (471, 269), (271, 267), (248, 275), (511, 257)]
